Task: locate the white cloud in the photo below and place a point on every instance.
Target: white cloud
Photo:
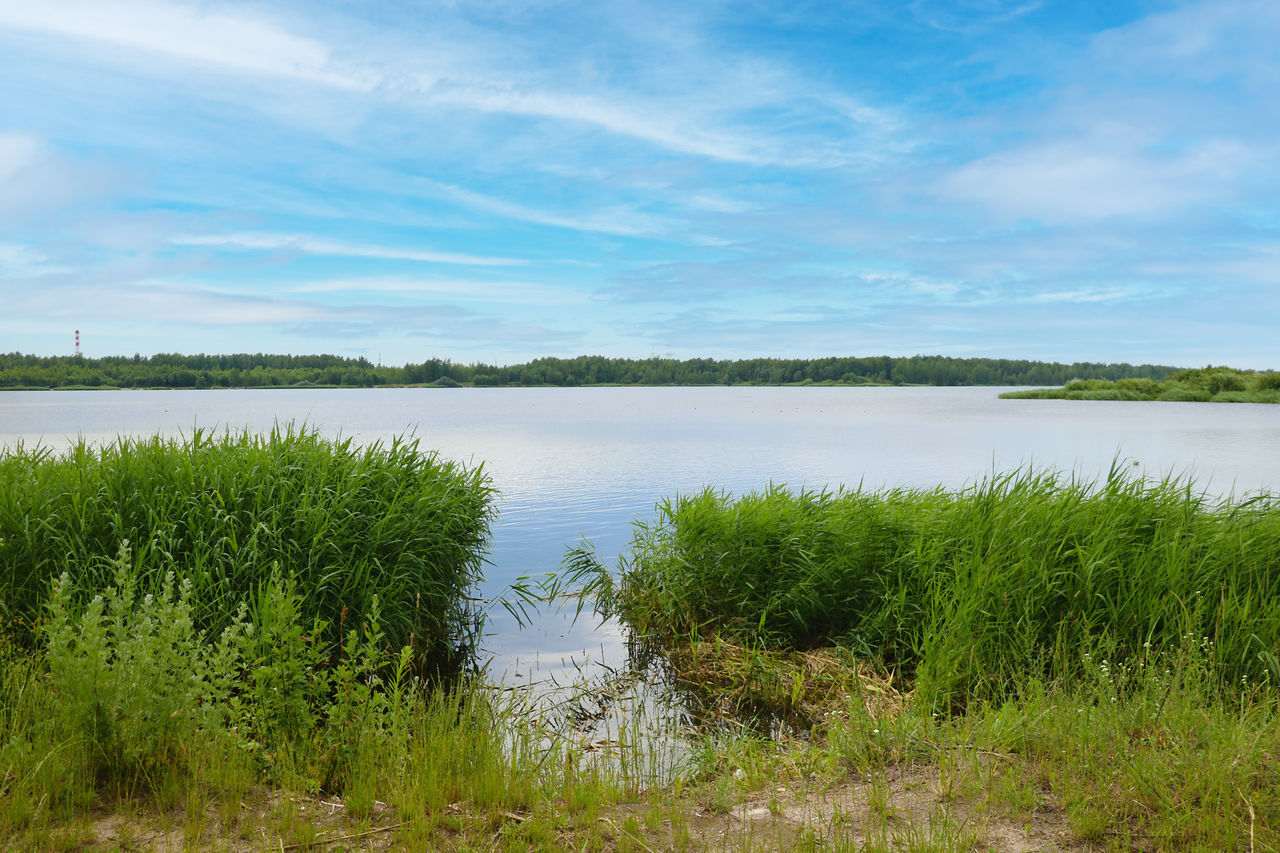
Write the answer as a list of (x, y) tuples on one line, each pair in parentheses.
[(1198, 39), (434, 70), (1090, 180), (15, 254), (623, 222), (653, 124), (17, 152), (1258, 264), (1089, 295), (261, 241), (970, 16), (35, 179), (163, 303), (19, 261), (909, 283), (720, 204), (192, 33), (464, 290)]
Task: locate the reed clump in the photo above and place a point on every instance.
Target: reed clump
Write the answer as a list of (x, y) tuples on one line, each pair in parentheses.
[(222, 511), (963, 593)]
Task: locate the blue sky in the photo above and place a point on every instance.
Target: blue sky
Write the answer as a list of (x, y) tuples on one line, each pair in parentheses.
[(498, 180)]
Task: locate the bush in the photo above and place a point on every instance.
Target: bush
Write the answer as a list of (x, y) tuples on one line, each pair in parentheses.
[(134, 678), (1184, 394), (144, 698), (1222, 381), (1269, 381), (1147, 389), (1111, 394)]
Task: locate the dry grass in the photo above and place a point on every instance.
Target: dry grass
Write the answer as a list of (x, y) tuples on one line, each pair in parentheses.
[(799, 689)]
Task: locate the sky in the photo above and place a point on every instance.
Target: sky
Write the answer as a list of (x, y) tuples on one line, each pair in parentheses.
[(500, 180)]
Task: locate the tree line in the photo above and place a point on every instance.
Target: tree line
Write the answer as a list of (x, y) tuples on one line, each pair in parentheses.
[(244, 370)]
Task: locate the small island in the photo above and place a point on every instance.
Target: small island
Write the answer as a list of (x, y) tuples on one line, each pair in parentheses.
[(1201, 385)]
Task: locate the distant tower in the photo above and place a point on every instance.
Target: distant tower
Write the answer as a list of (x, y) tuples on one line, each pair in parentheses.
[(77, 341)]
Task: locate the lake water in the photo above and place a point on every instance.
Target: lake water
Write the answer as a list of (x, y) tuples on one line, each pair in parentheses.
[(585, 462)]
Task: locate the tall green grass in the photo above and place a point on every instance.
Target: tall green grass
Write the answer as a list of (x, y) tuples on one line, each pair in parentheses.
[(224, 510), (966, 591)]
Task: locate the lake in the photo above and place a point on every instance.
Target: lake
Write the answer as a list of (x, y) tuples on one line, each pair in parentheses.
[(584, 462)]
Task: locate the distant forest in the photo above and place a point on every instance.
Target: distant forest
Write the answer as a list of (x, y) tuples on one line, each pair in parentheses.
[(258, 370)]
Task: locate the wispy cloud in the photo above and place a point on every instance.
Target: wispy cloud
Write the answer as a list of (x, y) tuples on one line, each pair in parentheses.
[(971, 16), (17, 151), (466, 290), (768, 177), (1092, 295), (259, 241), (1095, 179), (19, 261), (622, 222), (163, 302), (233, 41), (1198, 40), (249, 43)]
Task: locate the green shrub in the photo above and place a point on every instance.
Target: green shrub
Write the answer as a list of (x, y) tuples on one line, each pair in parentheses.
[(1224, 381), (1111, 394), (222, 511), (1147, 389), (1184, 394), (143, 697), (284, 664), (136, 681), (1267, 396)]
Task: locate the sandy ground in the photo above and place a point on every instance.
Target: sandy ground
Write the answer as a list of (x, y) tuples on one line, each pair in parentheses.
[(906, 809)]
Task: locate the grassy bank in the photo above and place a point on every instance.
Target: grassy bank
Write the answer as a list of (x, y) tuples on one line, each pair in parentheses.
[(128, 728), (267, 751), (961, 593), (1033, 662), (223, 510), (1030, 663), (1204, 385), (226, 640)]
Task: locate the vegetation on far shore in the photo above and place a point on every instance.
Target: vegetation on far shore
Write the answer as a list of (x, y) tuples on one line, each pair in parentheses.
[(18, 371), (1029, 663), (1202, 385)]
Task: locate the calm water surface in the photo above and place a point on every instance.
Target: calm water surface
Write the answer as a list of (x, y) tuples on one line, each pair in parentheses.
[(585, 462)]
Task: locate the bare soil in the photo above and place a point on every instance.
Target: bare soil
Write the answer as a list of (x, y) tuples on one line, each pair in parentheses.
[(899, 808)]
